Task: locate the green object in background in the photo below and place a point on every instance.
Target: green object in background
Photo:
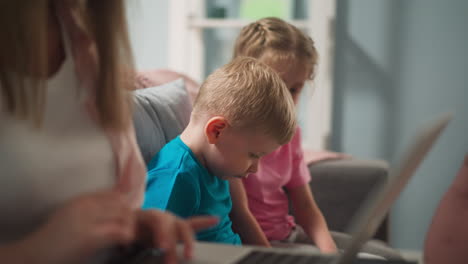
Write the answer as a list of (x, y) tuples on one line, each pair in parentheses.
[(217, 12), (256, 9)]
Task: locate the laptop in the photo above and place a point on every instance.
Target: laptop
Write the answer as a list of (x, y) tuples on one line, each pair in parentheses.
[(367, 221)]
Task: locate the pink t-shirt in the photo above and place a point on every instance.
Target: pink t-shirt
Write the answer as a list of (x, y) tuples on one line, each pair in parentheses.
[(268, 202)]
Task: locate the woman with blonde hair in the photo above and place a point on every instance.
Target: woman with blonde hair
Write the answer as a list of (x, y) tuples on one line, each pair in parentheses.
[(72, 176)]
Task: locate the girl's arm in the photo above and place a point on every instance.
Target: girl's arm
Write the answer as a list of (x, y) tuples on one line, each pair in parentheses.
[(309, 217), (243, 221)]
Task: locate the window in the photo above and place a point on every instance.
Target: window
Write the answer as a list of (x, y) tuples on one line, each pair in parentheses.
[(202, 34)]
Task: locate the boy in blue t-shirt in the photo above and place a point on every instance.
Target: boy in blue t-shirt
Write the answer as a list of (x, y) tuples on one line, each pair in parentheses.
[(239, 115)]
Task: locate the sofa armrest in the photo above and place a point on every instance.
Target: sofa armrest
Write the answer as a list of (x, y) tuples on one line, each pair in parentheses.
[(341, 187)]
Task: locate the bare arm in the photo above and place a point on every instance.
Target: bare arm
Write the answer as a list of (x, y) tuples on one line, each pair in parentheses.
[(95, 221), (309, 217), (98, 221), (447, 238), (24, 251), (243, 222)]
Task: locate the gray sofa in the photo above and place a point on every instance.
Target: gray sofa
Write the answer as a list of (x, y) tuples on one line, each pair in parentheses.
[(340, 187)]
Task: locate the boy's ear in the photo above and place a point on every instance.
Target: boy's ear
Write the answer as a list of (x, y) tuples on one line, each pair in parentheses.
[(214, 128)]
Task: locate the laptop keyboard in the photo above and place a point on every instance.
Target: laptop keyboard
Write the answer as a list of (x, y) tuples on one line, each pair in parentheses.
[(266, 257)]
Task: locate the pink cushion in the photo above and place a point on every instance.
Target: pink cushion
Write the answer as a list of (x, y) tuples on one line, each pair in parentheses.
[(156, 77)]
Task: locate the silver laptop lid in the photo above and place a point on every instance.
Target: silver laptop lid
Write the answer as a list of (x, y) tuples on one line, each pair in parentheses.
[(379, 205)]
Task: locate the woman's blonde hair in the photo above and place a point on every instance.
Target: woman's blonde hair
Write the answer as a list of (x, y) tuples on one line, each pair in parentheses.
[(273, 41), (250, 95), (24, 54)]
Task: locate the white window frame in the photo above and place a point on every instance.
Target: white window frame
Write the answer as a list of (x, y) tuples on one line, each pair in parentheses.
[(186, 54)]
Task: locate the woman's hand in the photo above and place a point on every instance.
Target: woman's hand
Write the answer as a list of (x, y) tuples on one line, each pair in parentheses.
[(76, 231), (163, 230), (89, 223), (85, 225)]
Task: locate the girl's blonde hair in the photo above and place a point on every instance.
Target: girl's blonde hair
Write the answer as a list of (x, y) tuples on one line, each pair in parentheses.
[(273, 41), (24, 58), (250, 95)]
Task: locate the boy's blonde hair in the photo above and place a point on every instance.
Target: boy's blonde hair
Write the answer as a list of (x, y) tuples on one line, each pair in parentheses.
[(24, 51), (276, 42), (250, 95)]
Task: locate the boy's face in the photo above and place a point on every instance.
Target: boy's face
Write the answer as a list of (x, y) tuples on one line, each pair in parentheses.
[(237, 153)]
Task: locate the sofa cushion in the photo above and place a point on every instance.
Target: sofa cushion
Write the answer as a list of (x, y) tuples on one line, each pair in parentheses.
[(341, 187), (160, 114)]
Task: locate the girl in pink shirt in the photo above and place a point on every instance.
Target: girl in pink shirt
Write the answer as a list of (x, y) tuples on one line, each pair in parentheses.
[(293, 55)]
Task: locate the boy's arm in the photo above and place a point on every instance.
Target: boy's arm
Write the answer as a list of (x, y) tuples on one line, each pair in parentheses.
[(243, 221), (159, 186), (184, 200), (309, 217), (173, 191)]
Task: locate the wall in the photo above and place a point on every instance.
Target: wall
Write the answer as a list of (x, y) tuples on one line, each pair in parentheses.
[(147, 20), (399, 63)]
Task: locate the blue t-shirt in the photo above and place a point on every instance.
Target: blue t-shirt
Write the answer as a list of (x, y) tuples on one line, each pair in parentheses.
[(178, 183)]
